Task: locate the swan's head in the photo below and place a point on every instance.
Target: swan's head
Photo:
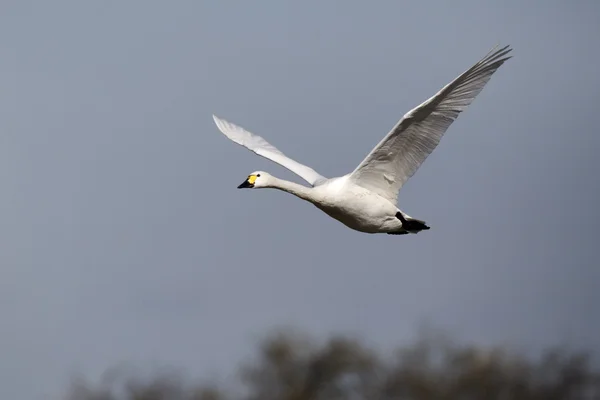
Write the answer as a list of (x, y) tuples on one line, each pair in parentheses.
[(256, 180)]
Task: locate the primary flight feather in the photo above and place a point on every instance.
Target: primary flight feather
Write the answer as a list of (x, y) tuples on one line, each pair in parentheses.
[(365, 200)]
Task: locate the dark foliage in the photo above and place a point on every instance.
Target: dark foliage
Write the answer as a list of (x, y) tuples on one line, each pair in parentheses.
[(290, 367)]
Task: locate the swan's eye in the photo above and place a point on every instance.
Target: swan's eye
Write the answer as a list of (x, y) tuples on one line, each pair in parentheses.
[(258, 175)]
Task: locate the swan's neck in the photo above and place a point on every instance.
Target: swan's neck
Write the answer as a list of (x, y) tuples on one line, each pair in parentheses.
[(301, 191)]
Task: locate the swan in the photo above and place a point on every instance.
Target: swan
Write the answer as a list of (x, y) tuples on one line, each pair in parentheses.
[(365, 199)]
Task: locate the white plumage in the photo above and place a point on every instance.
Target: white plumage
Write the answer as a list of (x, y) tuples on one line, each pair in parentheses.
[(365, 200)]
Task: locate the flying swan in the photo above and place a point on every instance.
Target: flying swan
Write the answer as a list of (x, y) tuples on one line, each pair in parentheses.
[(365, 200)]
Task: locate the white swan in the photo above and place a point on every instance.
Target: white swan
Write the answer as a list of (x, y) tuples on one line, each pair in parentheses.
[(365, 200)]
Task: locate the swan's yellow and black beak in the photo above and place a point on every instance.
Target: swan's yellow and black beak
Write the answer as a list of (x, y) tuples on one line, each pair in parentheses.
[(248, 183)]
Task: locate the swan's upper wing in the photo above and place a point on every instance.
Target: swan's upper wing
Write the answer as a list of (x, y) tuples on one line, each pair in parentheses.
[(261, 147), (402, 151)]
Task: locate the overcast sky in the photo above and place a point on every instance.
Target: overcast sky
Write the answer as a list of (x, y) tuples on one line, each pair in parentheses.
[(124, 237)]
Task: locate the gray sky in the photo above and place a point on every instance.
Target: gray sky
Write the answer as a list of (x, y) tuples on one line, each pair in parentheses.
[(124, 237)]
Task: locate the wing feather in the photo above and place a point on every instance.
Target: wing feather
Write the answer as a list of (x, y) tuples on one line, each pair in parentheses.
[(402, 151), (263, 148)]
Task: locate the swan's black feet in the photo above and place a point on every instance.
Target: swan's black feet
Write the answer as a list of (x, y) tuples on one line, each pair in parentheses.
[(398, 233), (411, 224)]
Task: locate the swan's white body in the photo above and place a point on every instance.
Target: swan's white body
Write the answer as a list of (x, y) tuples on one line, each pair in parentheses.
[(365, 200), (354, 206)]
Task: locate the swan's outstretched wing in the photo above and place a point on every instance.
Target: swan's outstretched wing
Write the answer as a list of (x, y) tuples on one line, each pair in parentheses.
[(261, 147), (402, 151)]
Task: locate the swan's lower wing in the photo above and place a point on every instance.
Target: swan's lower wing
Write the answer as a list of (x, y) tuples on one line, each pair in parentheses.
[(263, 148), (398, 156)]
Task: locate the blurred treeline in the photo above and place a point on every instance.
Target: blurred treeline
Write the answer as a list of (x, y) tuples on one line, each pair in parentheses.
[(290, 366)]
